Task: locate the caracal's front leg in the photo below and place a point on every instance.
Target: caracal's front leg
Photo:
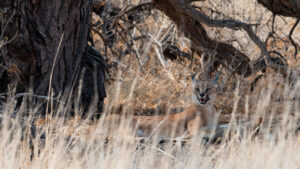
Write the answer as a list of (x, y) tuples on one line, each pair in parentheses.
[(194, 126)]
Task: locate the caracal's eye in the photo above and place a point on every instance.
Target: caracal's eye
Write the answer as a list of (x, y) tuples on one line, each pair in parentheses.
[(207, 89), (197, 89)]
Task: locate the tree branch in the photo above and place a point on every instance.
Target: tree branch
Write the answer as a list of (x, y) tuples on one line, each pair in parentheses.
[(231, 24), (286, 8), (190, 22), (291, 38)]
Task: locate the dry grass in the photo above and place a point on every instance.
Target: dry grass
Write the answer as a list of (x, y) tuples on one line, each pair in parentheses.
[(152, 88), (76, 144)]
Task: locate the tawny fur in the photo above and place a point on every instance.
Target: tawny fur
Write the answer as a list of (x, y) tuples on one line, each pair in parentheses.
[(187, 123)]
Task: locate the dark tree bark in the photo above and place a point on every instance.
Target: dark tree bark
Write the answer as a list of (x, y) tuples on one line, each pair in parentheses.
[(283, 7), (290, 8), (51, 48)]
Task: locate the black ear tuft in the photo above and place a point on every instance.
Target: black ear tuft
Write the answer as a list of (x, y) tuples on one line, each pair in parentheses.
[(215, 81), (194, 76)]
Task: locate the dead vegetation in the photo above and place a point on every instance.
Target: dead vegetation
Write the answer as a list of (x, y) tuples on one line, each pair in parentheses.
[(153, 53), (150, 60)]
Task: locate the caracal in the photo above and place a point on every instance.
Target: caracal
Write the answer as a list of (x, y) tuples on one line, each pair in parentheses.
[(199, 115)]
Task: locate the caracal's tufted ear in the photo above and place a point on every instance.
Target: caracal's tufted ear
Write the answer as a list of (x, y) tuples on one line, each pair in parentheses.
[(215, 81), (194, 77)]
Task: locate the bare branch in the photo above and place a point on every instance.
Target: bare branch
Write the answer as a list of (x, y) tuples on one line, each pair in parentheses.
[(133, 9), (231, 24), (190, 1), (190, 22), (291, 38), (272, 29)]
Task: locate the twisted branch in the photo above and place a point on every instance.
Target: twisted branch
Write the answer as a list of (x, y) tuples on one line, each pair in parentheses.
[(190, 22)]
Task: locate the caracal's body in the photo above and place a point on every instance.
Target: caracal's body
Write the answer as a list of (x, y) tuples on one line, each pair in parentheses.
[(200, 114)]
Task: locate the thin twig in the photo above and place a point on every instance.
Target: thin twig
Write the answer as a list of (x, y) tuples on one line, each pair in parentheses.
[(138, 7), (291, 38), (272, 29)]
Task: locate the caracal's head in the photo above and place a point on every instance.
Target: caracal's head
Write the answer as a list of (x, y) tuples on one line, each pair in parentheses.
[(204, 90)]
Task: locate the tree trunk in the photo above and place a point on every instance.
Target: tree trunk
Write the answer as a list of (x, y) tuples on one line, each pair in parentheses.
[(51, 48)]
